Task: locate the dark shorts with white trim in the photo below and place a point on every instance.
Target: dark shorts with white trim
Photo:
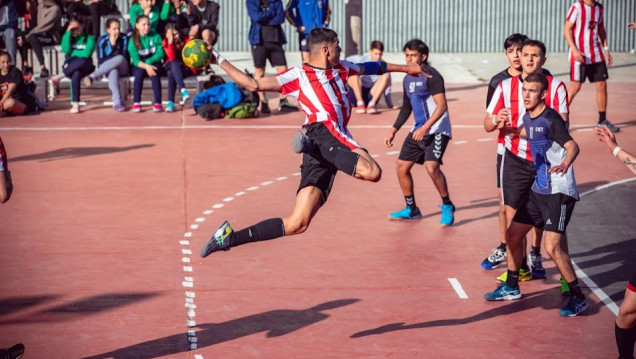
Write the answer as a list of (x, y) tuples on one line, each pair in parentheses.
[(315, 170), (593, 72), (551, 212), (430, 148)]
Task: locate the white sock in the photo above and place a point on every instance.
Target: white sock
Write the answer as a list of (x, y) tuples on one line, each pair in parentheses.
[(360, 103), (371, 103)]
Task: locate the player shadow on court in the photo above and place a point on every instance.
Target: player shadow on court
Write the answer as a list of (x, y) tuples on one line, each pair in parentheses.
[(75, 152), (16, 304), (548, 299), (618, 260), (69, 311), (274, 323), (483, 204)]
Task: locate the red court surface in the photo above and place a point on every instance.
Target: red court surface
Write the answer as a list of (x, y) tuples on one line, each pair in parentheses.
[(99, 244)]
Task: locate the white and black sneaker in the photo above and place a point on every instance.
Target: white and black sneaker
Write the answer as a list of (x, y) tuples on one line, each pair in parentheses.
[(494, 259)]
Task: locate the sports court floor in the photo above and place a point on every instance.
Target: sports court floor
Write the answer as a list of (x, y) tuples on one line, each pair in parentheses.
[(99, 244)]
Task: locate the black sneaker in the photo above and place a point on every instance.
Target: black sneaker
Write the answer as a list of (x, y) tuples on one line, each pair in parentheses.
[(220, 240), (302, 144), (285, 106), (265, 107), (15, 352), (44, 72)]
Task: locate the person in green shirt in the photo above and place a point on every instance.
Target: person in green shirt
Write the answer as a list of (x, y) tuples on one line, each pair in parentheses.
[(146, 54), (78, 47), (145, 7)]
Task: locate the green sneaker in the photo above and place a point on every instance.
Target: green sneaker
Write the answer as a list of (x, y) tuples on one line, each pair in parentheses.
[(524, 275), (220, 240)]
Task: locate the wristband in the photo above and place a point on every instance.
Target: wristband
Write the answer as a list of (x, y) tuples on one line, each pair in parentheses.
[(219, 58), (606, 48), (616, 151), (565, 165), (493, 121)]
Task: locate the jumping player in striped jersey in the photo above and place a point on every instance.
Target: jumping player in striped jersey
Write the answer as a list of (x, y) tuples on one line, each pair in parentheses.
[(554, 193), (320, 88), (589, 55), (512, 47), (426, 142), (517, 171)]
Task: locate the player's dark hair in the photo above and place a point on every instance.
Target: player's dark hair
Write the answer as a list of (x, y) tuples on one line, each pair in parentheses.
[(111, 21), (538, 78), (320, 36), (4, 53), (515, 39), (536, 43), (417, 45), (135, 33), (377, 45), (171, 26)]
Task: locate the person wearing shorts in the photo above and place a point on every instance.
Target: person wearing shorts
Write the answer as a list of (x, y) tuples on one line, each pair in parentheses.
[(551, 200), (589, 54), (306, 15), (429, 136), (327, 145), (267, 38)]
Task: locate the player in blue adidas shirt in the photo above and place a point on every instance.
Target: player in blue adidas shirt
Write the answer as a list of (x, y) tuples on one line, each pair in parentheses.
[(552, 197)]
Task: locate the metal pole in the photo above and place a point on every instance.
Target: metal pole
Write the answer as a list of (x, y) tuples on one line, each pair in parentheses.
[(353, 27)]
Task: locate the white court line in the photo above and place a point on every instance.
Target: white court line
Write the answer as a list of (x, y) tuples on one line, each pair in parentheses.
[(611, 305), (458, 288), (460, 142), (484, 139)]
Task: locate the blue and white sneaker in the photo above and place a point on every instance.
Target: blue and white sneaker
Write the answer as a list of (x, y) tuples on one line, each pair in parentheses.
[(170, 107), (576, 305), (448, 216), (503, 292), (185, 96), (494, 259), (406, 213)]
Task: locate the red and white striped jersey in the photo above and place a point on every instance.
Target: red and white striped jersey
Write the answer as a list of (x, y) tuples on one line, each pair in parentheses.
[(322, 95), (508, 95), (586, 20)]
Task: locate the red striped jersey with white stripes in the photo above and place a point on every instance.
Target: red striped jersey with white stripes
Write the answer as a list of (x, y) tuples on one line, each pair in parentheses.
[(508, 95), (586, 20), (322, 95)]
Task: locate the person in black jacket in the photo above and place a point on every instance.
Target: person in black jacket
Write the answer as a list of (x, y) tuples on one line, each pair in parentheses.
[(203, 18)]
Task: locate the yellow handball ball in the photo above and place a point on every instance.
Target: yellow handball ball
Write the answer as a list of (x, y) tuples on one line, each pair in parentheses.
[(195, 54)]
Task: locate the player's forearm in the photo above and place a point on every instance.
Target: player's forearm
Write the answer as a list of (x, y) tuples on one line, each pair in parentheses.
[(489, 123), (240, 77), (571, 152)]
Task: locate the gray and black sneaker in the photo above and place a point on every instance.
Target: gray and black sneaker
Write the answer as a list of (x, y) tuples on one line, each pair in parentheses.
[(609, 125), (302, 144), (220, 240), (15, 352), (285, 106)]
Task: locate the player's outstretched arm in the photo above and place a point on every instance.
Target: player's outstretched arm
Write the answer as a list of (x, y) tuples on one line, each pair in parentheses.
[(381, 67), (242, 79), (607, 136)]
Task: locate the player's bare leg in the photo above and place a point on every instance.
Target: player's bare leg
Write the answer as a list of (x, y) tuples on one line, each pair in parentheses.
[(366, 168), (308, 202), (436, 174), (575, 87)]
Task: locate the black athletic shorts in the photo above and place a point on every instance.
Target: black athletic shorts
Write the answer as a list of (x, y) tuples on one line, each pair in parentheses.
[(631, 285), (315, 170), (499, 170), (431, 148), (517, 177), (550, 212), (593, 72), (272, 51)]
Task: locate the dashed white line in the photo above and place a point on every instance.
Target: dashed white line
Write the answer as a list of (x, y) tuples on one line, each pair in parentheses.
[(460, 142), (458, 288), (218, 205), (281, 178), (209, 211), (266, 183), (228, 199), (484, 139), (238, 194), (393, 152), (253, 188), (200, 219)]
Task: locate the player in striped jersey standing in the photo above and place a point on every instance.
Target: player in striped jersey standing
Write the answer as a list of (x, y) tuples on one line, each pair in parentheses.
[(589, 55), (517, 169), (429, 136), (320, 88)]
